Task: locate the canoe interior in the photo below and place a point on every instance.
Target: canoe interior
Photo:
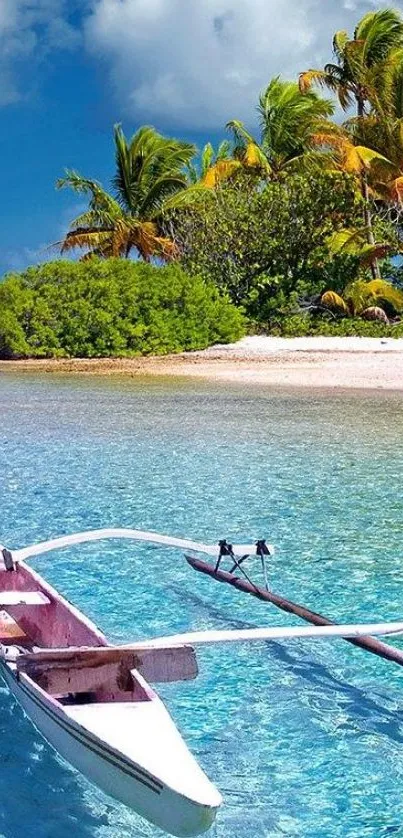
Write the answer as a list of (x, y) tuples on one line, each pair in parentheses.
[(53, 623)]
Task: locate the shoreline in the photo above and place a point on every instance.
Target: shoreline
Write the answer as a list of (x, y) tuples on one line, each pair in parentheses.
[(323, 363)]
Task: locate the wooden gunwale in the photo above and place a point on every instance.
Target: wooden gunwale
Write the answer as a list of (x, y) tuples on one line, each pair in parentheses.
[(369, 644)]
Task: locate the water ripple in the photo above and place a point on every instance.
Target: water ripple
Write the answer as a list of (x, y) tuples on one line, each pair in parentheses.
[(303, 739)]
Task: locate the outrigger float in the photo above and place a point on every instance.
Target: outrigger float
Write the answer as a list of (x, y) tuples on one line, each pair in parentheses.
[(92, 701)]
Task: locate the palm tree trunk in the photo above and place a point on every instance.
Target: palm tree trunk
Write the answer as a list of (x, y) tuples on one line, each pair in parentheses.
[(376, 274)]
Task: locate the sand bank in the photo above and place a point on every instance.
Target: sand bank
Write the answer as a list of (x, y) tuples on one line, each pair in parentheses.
[(368, 363)]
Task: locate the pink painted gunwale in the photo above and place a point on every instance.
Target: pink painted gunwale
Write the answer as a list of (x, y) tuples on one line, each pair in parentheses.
[(60, 624)]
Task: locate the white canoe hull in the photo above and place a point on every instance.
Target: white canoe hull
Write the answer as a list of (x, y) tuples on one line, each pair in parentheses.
[(150, 794)]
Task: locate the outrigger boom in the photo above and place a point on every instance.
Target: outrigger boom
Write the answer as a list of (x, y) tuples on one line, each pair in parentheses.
[(133, 535), (238, 553), (206, 638), (184, 642)]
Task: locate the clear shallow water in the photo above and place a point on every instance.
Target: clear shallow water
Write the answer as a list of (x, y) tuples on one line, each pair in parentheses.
[(302, 739)]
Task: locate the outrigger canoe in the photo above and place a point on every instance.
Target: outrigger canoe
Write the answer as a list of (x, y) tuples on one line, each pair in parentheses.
[(100, 713), (92, 701)]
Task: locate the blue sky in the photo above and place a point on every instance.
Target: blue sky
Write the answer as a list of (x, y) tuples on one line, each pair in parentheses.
[(70, 69)]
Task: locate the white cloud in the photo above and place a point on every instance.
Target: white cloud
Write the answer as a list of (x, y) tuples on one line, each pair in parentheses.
[(197, 63), (29, 29), (179, 63)]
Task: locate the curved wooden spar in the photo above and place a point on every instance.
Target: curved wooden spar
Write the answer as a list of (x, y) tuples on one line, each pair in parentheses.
[(206, 638), (181, 646), (135, 535), (370, 644)]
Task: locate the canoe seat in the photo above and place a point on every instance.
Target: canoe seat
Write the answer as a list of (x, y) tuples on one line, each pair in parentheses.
[(9, 629), (23, 598)]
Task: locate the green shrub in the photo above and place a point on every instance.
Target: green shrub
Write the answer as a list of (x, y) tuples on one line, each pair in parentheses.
[(301, 325), (12, 338), (111, 308)]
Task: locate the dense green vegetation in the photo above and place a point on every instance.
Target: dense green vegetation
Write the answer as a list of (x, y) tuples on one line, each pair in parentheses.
[(268, 248), (111, 308), (297, 223)]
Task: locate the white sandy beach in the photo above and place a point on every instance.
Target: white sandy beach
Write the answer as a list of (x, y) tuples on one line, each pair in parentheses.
[(262, 346), (361, 363)]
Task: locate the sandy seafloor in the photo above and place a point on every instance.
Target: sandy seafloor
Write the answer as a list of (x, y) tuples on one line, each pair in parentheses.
[(353, 363)]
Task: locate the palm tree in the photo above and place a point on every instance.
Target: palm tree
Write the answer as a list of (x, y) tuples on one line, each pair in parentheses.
[(363, 63), (382, 129), (361, 74), (150, 179), (365, 299), (288, 122)]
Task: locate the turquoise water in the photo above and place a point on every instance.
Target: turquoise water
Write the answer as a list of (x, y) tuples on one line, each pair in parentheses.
[(303, 739)]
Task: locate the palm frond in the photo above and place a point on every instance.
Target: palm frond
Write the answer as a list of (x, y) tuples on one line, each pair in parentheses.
[(340, 40), (223, 151), (220, 171), (163, 190), (354, 65), (352, 242), (345, 96), (241, 135), (151, 176), (192, 173), (360, 296), (193, 196), (73, 180), (397, 84), (124, 181), (331, 78), (85, 238), (247, 150), (100, 200), (375, 313), (253, 157), (334, 302), (146, 240), (380, 32), (380, 289), (143, 161), (348, 241), (207, 157), (364, 158), (396, 189), (319, 77), (371, 253)]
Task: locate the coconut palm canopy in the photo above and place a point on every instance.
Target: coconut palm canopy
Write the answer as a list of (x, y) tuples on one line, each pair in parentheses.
[(288, 121), (382, 130), (363, 64), (369, 71), (150, 179), (363, 72)]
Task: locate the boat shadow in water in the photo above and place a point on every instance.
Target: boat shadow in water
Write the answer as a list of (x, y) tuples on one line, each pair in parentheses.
[(366, 714), (37, 790)]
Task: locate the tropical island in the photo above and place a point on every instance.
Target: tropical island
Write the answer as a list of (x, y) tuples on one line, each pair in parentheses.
[(295, 230), (201, 347)]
